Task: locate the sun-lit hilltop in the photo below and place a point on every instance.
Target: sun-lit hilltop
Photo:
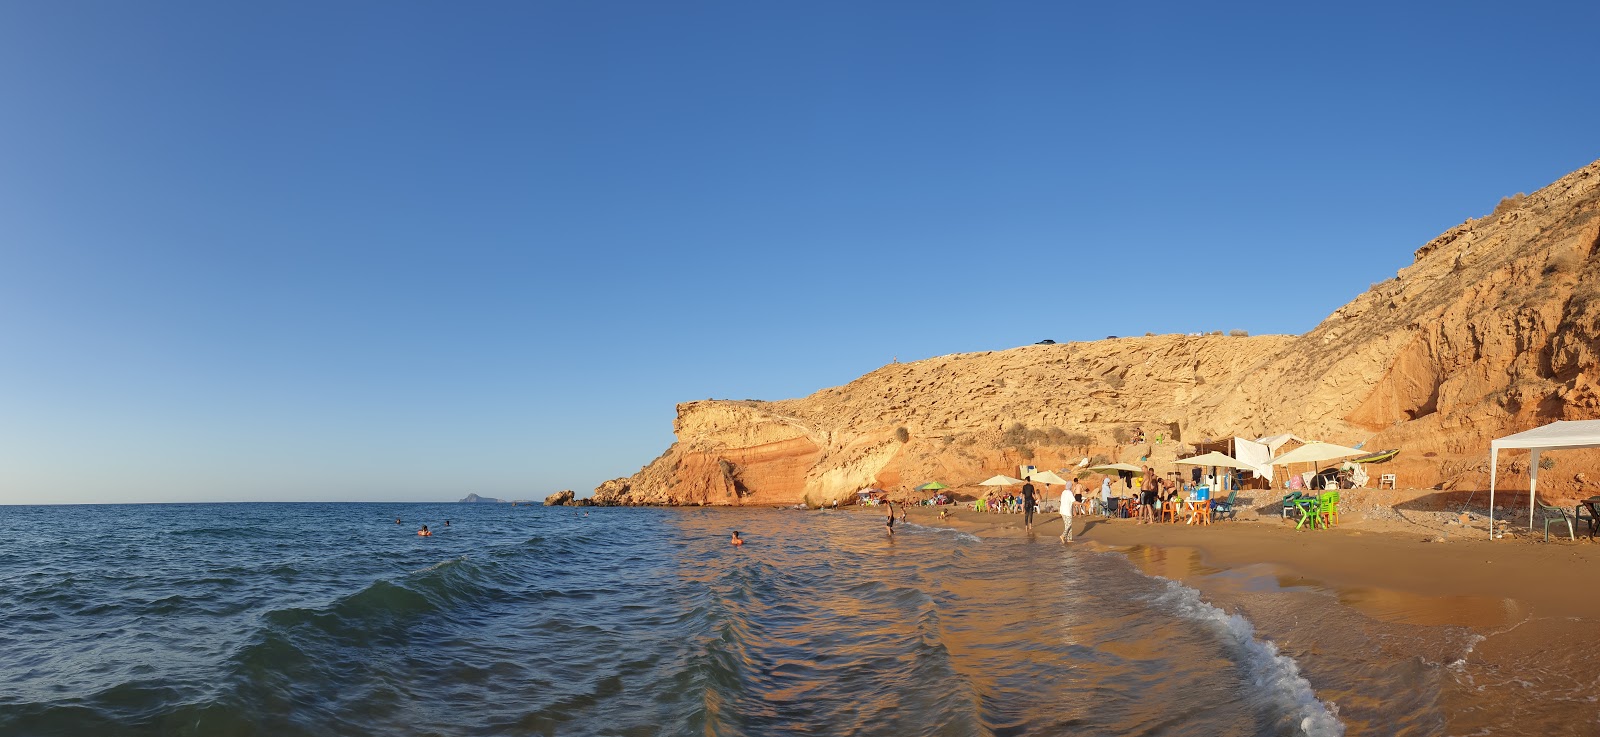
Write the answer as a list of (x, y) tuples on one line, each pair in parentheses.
[(1495, 327)]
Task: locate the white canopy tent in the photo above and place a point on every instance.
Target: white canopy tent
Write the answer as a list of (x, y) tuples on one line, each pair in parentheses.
[(1560, 435)]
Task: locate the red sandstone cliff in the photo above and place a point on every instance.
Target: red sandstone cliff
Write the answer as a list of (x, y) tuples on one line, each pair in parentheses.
[(1494, 328)]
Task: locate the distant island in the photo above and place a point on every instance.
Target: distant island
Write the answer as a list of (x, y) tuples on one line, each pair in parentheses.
[(475, 499)]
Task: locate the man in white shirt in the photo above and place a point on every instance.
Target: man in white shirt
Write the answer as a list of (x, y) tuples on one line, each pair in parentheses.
[(1066, 514)]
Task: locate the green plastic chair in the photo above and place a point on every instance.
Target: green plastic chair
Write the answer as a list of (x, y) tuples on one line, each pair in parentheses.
[(1328, 508), (1309, 507), (1228, 508), (1556, 515)]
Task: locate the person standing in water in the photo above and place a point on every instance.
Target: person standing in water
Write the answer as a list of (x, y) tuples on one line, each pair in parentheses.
[(889, 522), (1027, 504), (1067, 503)]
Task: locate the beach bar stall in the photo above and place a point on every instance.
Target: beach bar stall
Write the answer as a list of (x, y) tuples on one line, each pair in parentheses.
[(1561, 435)]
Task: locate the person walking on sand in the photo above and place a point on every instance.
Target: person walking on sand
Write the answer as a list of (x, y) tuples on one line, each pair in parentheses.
[(1067, 503), (1027, 504), (1105, 496)]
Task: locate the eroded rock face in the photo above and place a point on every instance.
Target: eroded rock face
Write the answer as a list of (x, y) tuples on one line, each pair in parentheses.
[(1494, 328), (561, 498)]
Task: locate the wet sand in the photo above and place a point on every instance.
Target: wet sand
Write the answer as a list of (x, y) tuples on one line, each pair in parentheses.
[(1551, 579), (1533, 606)]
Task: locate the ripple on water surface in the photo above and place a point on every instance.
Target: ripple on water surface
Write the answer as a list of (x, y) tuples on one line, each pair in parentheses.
[(314, 619)]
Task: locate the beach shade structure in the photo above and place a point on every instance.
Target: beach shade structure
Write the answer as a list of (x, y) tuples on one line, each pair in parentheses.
[(1316, 452), (1001, 480), (870, 492), (1117, 467), (1215, 459), (932, 486), (1560, 435), (1048, 477)]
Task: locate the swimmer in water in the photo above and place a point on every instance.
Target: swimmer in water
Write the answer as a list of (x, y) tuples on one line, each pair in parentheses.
[(397, 520), (736, 539), (447, 523), (424, 532)]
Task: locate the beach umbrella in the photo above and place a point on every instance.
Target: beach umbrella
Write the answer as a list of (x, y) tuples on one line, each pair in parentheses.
[(1215, 459), (1117, 467), (1001, 480), (932, 486), (1048, 477), (1316, 453)]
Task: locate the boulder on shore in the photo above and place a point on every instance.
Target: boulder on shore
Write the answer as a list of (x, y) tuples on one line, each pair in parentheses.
[(561, 498)]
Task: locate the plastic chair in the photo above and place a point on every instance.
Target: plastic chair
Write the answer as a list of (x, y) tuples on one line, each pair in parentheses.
[(1582, 513), (1387, 478), (1328, 508), (1555, 515), (1227, 509), (1290, 503), (1309, 506), (1169, 510)]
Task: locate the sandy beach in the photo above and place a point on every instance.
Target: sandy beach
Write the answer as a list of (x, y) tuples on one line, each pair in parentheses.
[(1361, 553)]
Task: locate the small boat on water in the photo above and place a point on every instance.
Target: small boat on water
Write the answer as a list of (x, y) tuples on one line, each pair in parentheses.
[(1382, 456)]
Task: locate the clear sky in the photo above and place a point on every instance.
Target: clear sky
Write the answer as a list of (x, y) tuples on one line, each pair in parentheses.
[(404, 251)]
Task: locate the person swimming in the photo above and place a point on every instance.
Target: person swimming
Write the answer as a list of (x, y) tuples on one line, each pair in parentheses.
[(397, 520), (736, 539), (447, 523), (425, 532)]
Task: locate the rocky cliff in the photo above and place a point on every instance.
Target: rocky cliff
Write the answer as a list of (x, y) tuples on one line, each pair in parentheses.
[(1494, 328)]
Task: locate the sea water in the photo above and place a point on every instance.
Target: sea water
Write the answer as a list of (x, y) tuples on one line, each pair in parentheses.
[(331, 619)]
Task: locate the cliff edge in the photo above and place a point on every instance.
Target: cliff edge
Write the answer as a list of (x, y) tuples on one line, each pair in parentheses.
[(1495, 327)]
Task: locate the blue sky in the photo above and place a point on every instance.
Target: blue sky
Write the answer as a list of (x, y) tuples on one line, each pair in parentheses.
[(404, 251)]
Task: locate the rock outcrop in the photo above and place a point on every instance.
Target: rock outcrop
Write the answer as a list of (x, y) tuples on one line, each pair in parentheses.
[(475, 499), (1494, 328), (561, 498)]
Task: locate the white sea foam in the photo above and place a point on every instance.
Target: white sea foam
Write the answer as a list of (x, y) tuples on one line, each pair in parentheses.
[(1275, 675), (959, 535)]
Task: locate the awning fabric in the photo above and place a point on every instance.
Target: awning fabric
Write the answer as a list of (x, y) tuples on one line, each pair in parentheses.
[(1257, 455), (1559, 435), (1275, 442)]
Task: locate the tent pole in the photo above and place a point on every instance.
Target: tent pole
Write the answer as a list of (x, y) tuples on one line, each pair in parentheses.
[(1533, 485), (1494, 455)]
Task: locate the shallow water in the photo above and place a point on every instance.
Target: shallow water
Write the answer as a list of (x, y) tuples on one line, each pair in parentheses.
[(329, 619)]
